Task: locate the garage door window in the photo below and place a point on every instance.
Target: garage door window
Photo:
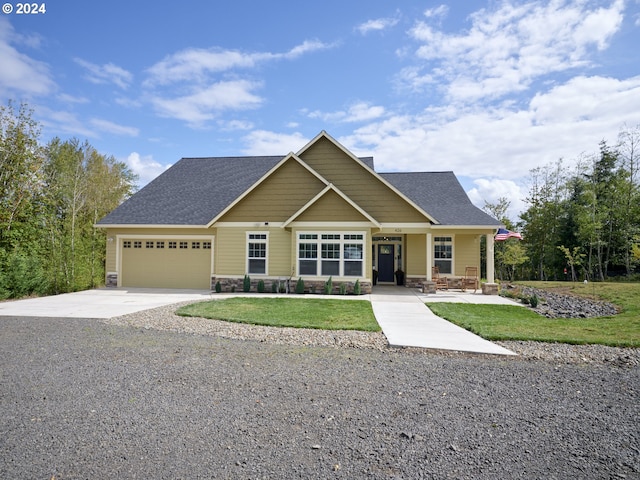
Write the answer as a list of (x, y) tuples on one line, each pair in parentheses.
[(257, 253)]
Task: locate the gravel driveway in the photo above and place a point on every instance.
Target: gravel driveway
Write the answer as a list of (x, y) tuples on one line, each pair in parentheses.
[(87, 399)]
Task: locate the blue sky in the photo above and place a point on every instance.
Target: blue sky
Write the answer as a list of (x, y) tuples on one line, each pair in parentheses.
[(487, 89)]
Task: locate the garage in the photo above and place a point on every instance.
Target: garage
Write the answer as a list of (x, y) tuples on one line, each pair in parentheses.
[(166, 262)]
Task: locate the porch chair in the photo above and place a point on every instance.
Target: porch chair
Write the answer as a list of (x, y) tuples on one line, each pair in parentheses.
[(441, 282), (470, 278)]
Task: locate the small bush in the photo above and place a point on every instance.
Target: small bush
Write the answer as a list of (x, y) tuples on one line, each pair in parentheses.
[(218, 287), (328, 286), (233, 289), (533, 300), (274, 287), (357, 289), (343, 289), (300, 286), (260, 286)]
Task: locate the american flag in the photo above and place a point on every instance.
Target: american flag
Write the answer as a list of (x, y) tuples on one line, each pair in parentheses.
[(503, 234)]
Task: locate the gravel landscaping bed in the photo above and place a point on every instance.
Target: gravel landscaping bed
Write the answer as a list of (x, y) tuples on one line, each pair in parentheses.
[(164, 318), (131, 399)]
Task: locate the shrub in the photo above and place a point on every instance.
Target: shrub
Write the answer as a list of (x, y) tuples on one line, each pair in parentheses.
[(260, 286), (357, 289), (328, 286), (233, 289), (218, 287), (246, 284), (533, 300), (274, 287), (300, 286), (343, 289)]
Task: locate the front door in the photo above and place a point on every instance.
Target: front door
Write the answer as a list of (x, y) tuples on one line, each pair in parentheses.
[(385, 262)]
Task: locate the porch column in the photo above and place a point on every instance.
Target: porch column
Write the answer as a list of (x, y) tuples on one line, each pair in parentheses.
[(429, 256), (490, 259)]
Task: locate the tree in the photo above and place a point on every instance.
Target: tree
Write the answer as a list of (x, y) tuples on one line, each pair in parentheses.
[(21, 161), (543, 219), (81, 186)]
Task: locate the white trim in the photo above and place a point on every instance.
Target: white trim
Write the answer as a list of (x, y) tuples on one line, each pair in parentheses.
[(347, 225), (126, 236), (150, 225), (266, 250), (465, 227), (248, 224)]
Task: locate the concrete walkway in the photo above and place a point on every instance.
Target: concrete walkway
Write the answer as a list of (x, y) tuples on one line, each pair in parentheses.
[(406, 321)]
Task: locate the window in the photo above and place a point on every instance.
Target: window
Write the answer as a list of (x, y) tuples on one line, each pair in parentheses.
[(195, 245), (443, 254), (353, 259), (332, 254), (206, 245), (159, 244), (173, 244), (149, 244), (330, 258), (137, 244), (308, 258), (126, 244), (257, 253), (184, 245)]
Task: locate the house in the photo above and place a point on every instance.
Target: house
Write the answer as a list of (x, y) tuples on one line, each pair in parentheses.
[(313, 214)]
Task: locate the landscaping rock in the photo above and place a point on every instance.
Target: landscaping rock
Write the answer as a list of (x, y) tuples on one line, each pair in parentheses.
[(556, 305)]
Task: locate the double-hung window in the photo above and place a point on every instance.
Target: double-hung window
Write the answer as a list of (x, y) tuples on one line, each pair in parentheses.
[(257, 253), (443, 254), (331, 254)]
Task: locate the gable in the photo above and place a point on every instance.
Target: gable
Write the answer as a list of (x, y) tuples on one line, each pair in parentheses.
[(359, 183), (289, 187), (331, 207)]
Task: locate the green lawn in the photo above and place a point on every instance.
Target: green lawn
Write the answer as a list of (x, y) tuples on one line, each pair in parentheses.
[(324, 314), (506, 322)]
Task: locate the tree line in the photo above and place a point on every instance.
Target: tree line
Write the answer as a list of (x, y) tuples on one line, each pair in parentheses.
[(50, 198), (581, 223)]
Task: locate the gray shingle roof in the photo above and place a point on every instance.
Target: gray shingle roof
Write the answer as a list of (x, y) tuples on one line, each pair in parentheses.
[(191, 192), (441, 196), (196, 190)]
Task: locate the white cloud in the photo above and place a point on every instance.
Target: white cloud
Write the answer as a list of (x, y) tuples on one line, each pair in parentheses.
[(506, 49), (145, 167), (358, 112), (377, 25), (262, 142), (197, 64), (114, 128), (509, 142), (20, 73), (66, 98), (203, 104), (490, 190), (107, 73), (437, 12), (64, 122)]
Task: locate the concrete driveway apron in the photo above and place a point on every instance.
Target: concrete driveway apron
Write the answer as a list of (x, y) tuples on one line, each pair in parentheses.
[(99, 303), (406, 321)]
